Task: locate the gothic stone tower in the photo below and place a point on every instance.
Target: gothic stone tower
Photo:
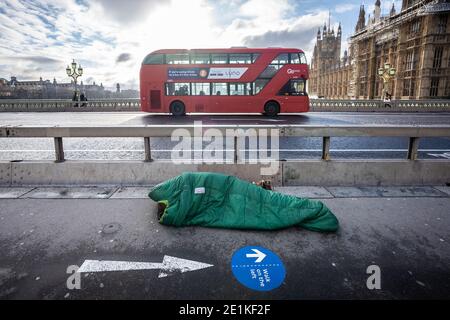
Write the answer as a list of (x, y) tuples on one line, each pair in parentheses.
[(326, 56)]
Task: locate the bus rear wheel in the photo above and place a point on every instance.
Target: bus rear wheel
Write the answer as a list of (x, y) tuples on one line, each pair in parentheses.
[(177, 108), (272, 109)]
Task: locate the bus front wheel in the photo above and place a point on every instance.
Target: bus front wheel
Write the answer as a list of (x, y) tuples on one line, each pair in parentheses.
[(177, 108), (272, 108)]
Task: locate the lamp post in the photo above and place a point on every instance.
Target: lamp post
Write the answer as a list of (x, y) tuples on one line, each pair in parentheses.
[(74, 72), (387, 72)]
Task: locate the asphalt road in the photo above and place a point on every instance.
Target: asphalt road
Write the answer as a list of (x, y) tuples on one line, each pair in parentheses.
[(290, 147), (139, 118), (407, 238)]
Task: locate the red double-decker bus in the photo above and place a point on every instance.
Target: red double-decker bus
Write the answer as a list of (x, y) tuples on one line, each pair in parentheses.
[(236, 80)]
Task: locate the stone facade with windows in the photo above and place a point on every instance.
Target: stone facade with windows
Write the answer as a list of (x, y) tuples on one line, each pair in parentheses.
[(415, 41)]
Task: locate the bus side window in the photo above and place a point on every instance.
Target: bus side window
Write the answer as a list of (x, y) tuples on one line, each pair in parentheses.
[(177, 89), (200, 89), (219, 89), (259, 84), (170, 89)]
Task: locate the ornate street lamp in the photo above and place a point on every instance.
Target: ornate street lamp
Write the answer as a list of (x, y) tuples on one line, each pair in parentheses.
[(387, 72), (74, 72)]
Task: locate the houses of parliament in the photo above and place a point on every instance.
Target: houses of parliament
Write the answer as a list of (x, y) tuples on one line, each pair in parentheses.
[(413, 39)]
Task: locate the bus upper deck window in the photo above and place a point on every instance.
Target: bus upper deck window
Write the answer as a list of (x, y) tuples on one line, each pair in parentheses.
[(240, 58), (200, 58), (295, 58), (177, 58), (282, 59), (154, 59), (219, 58)]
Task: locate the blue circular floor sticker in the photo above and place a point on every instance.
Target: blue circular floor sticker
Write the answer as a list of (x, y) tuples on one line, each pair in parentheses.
[(258, 268)]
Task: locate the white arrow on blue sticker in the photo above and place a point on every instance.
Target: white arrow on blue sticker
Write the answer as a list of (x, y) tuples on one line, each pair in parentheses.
[(257, 254), (265, 276)]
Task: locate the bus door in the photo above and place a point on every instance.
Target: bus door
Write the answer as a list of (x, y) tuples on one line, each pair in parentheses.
[(155, 100)]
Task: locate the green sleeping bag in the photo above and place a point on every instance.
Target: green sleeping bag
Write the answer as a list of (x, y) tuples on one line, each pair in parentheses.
[(221, 201)]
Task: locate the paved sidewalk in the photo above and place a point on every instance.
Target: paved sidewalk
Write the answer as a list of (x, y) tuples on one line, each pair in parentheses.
[(403, 230), (114, 192)]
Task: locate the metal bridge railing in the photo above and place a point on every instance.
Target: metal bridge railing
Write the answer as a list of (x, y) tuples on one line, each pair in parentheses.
[(413, 132), (68, 105), (124, 105)]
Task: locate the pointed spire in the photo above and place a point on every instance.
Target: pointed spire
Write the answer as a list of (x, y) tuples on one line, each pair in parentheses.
[(361, 20), (393, 11), (329, 19)]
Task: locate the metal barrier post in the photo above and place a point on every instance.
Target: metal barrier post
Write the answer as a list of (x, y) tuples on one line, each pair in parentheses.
[(326, 149), (148, 150), (413, 148), (236, 158), (59, 150)]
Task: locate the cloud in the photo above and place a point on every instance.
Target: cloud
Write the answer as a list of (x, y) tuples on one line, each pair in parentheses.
[(36, 59), (299, 32), (130, 11), (284, 38), (124, 57), (111, 37)]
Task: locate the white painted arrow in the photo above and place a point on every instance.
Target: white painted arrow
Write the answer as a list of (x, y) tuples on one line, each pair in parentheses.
[(168, 267), (257, 254)]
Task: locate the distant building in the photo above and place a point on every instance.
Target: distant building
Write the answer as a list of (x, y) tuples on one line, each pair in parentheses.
[(415, 40), (46, 89)]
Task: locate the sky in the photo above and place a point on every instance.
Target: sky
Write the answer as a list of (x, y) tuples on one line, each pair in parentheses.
[(110, 38)]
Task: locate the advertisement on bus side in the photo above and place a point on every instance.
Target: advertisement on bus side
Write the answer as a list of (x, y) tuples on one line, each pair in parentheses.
[(206, 73)]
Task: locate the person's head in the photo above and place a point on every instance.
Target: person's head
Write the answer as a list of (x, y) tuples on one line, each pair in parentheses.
[(265, 184), (161, 208)]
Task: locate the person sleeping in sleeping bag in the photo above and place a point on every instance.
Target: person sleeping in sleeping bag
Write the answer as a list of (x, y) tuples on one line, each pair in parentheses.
[(221, 201)]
